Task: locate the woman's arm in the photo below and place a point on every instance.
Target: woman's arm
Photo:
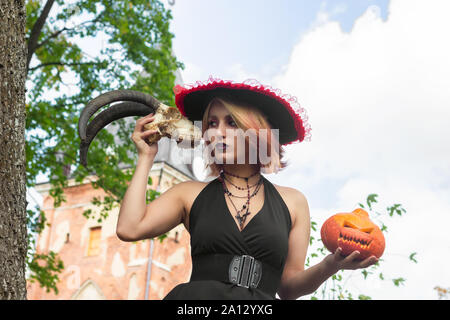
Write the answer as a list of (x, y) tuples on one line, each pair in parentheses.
[(309, 280), (306, 281), (298, 245), (296, 281), (137, 220), (132, 208)]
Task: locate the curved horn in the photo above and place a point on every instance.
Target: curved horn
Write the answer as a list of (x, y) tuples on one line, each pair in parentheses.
[(135, 104), (115, 112), (109, 97)]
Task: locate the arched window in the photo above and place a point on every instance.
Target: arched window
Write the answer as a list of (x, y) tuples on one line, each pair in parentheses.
[(89, 290)]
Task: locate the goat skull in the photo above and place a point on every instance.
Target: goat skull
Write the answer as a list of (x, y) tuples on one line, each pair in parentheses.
[(168, 120), (170, 123)]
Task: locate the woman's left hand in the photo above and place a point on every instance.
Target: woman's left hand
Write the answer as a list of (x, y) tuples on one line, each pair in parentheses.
[(338, 262)]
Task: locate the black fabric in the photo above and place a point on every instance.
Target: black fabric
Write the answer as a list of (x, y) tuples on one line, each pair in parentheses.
[(215, 266), (213, 231), (279, 117)]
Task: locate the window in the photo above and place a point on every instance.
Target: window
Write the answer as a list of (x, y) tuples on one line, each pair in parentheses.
[(94, 241)]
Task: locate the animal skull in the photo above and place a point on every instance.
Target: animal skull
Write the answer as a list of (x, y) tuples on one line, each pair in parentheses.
[(170, 123), (168, 120)]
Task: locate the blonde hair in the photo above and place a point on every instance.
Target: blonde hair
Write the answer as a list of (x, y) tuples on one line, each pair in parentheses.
[(246, 117)]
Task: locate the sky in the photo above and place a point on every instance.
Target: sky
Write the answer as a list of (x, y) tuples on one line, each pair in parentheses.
[(373, 77), (234, 38)]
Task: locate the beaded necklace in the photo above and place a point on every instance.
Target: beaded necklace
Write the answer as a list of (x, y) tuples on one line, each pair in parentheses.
[(246, 205)]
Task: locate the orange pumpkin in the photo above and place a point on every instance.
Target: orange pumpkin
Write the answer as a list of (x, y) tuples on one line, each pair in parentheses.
[(353, 231)]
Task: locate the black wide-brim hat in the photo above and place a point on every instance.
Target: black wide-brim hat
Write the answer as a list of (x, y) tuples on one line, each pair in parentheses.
[(282, 110)]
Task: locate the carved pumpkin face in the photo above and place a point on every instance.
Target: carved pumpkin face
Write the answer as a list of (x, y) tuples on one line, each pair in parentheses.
[(353, 231)]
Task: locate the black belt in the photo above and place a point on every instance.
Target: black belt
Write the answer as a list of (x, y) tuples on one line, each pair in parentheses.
[(244, 271)]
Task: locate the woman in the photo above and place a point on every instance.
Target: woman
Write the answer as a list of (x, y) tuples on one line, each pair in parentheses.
[(249, 237)]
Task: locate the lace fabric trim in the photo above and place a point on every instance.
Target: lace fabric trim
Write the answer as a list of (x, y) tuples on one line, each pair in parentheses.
[(290, 102)]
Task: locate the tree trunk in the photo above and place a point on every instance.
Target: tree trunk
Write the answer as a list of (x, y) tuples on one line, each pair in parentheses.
[(13, 227)]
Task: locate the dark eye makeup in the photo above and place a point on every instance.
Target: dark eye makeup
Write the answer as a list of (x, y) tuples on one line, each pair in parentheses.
[(229, 120)]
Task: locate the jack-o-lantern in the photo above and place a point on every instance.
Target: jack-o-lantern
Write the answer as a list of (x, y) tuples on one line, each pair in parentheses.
[(353, 231)]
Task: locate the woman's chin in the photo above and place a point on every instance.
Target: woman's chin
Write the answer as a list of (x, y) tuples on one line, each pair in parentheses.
[(224, 157)]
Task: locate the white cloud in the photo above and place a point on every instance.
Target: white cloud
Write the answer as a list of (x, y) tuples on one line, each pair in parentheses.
[(192, 73), (378, 101), (323, 15), (236, 72)]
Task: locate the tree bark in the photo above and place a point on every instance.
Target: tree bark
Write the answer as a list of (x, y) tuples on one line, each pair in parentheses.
[(13, 215)]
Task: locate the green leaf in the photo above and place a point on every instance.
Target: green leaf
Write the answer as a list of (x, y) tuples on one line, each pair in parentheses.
[(307, 262), (412, 257), (398, 281), (44, 268), (371, 198), (397, 209), (162, 237), (365, 273)]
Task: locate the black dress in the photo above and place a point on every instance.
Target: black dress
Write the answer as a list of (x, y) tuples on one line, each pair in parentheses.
[(215, 237)]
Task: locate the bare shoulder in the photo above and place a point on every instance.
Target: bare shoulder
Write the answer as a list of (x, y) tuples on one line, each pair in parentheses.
[(295, 201), (188, 192), (191, 188)]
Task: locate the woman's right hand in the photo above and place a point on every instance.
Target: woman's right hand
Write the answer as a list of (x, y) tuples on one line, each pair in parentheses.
[(140, 136)]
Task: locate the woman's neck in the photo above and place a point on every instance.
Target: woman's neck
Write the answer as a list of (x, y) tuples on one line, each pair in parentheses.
[(242, 170)]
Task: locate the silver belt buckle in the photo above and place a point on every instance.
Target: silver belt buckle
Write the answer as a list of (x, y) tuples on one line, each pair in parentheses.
[(245, 271)]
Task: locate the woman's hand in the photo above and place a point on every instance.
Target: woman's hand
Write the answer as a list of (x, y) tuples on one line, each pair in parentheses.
[(337, 262), (140, 135)]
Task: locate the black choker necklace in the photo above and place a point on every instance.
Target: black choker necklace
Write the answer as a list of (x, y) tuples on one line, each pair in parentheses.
[(235, 175)]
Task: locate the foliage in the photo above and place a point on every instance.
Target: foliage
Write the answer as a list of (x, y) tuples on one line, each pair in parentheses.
[(443, 293), (335, 287), (44, 267), (136, 54)]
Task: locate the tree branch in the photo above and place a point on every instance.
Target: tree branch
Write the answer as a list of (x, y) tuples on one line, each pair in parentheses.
[(37, 29), (53, 35), (57, 33)]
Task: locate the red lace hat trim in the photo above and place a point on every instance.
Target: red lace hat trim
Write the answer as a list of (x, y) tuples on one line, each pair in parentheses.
[(297, 112)]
